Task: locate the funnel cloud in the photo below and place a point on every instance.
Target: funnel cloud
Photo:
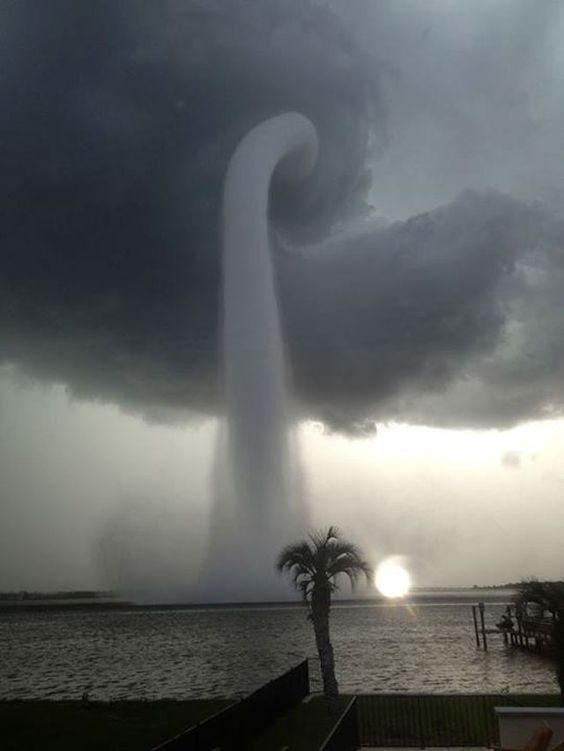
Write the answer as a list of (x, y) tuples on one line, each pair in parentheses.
[(113, 166), (259, 503)]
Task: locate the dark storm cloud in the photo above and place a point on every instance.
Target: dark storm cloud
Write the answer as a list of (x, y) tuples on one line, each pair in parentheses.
[(466, 293), (119, 122), (121, 119)]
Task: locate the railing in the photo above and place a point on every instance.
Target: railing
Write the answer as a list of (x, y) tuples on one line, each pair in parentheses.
[(235, 727), (344, 736), (435, 719), (542, 625)]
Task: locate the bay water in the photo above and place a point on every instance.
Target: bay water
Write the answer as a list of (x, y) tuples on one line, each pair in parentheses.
[(183, 653)]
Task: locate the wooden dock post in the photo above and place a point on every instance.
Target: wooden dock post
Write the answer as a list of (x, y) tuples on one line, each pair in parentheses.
[(483, 625), (476, 632), (518, 616), (531, 631)]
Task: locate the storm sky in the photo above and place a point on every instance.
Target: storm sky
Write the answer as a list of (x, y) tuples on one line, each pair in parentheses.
[(420, 276)]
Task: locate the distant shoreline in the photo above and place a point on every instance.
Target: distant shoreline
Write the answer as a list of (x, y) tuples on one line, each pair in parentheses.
[(436, 596)]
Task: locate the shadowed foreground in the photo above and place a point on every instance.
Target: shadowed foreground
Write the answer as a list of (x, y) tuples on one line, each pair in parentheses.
[(123, 725), (384, 720), (140, 725)]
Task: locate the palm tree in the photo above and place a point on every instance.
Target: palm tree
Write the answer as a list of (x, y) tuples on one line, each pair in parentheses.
[(546, 595), (314, 565)]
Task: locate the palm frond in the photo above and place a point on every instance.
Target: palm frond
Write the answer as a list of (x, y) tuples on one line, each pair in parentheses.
[(297, 560), (321, 538), (346, 558), (299, 554), (319, 560)]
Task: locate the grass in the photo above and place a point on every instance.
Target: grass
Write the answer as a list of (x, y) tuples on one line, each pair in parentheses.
[(112, 726), (407, 720), (140, 725), (302, 729)]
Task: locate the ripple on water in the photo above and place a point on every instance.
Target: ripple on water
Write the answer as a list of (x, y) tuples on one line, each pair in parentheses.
[(194, 653)]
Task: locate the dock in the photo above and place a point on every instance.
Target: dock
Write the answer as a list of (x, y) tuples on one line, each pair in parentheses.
[(517, 627)]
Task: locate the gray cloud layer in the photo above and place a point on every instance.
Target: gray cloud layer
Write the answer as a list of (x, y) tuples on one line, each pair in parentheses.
[(120, 125)]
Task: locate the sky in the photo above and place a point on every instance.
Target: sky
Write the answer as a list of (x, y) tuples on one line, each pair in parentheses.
[(420, 273)]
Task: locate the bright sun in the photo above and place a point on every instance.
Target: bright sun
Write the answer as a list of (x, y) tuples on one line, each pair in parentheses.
[(392, 579)]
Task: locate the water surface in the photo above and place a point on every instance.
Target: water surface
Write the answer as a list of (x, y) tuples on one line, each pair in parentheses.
[(183, 654)]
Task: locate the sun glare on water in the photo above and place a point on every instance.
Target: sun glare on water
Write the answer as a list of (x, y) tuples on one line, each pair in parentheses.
[(392, 579)]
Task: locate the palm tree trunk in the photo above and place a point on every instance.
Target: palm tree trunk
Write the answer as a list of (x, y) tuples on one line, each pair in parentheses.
[(321, 603)]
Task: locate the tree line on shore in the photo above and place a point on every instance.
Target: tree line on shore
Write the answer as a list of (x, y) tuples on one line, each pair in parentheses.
[(79, 594)]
